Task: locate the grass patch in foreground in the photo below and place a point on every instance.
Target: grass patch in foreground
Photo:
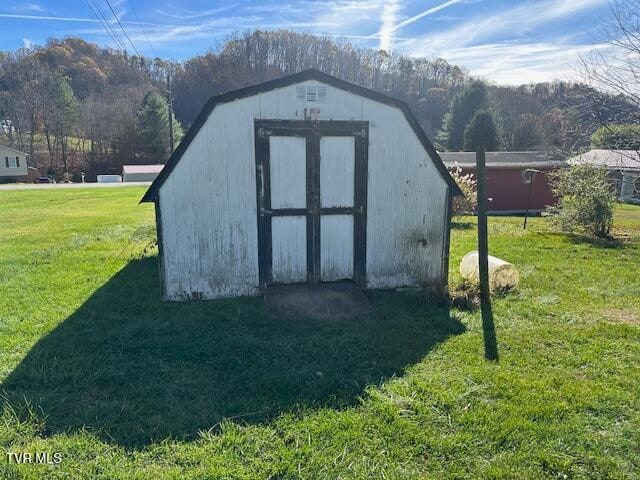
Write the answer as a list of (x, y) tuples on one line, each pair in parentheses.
[(94, 366)]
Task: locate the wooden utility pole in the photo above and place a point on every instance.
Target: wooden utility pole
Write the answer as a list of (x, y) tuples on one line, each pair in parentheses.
[(170, 110), (483, 243), (488, 328)]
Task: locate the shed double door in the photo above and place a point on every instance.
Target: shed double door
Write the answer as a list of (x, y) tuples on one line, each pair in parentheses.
[(312, 193)]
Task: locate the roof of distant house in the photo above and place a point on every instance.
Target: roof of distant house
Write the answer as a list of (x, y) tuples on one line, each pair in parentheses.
[(532, 159), (11, 148), (142, 168), (612, 159)]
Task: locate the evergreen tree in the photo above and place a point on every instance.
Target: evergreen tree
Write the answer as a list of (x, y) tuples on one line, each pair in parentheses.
[(463, 106), (481, 133), (153, 129)]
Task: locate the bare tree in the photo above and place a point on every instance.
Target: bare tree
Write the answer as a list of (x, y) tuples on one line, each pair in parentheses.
[(613, 67)]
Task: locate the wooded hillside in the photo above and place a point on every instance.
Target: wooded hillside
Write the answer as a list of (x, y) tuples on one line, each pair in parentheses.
[(77, 107)]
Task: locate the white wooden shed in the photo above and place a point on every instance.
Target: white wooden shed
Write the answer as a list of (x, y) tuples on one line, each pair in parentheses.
[(302, 179), (141, 173)]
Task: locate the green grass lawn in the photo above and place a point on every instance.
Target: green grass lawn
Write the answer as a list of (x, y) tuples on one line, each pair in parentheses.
[(94, 366)]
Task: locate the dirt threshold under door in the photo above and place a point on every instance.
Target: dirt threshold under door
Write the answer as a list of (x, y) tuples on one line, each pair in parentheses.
[(323, 301)]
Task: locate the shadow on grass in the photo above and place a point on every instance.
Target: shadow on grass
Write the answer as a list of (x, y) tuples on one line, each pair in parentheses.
[(135, 370), (608, 242), (458, 225), (489, 331)]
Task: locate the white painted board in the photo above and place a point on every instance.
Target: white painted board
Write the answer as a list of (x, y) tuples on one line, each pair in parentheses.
[(337, 165), (336, 247), (288, 172), (289, 249)]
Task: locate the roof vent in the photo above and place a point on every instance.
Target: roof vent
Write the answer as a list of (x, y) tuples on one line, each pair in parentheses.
[(312, 93), (323, 94)]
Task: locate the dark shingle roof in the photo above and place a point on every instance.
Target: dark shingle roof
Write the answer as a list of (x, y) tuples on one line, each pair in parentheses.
[(534, 159)]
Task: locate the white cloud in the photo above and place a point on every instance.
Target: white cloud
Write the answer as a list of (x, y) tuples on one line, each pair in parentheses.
[(337, 17), (190, 15), (430, 11), (46, 17), (389, 18), (164, 33), (498, 47), (27, 43), (33, 7), (515, 64), (514, 22), (390, 24), (345, 18), (53, 18)]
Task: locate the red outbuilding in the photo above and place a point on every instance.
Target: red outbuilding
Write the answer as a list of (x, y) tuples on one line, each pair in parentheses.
[(516, 181)]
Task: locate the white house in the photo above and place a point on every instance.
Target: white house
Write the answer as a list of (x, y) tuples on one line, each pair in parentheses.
[(13, 163), (140, 173), (302, 179), (623, 167)]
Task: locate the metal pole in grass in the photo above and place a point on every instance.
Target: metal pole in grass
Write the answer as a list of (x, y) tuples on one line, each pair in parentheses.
[(529, 177), (488, 327)]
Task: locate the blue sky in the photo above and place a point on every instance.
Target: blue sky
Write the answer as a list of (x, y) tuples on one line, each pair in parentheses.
[(508, 42)]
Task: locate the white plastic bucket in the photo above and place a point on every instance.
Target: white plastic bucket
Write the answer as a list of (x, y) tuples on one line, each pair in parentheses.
[(502, 274)]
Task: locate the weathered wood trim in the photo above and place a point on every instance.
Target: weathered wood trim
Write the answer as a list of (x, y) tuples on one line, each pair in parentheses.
[(263, 198), (312, 227), (312, 131), (303, 128), (289, 212), (285, 81), (313, 201), (161, 271), (360, 177), (444, 276)]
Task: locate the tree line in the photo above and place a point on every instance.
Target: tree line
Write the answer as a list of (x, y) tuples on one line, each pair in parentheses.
[(78, 108)]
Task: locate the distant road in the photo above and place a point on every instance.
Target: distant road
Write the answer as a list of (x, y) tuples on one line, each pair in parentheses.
[(37, 186)]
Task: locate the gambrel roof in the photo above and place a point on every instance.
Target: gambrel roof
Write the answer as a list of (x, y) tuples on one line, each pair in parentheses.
[(311, 74)]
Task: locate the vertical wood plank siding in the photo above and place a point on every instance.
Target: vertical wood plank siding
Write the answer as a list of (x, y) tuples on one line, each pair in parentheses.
[(337, 171), (209, 202)]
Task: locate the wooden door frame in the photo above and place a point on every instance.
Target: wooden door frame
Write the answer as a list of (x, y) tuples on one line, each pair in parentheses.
[(312, 131)]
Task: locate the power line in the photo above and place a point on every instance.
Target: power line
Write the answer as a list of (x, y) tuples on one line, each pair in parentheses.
[(104, 23), (97, 12), (122, 28), (169, 102), (135, 13), (126, 34)]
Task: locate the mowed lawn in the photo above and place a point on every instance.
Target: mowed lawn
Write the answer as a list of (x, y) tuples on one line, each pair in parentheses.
[(95, 367)]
